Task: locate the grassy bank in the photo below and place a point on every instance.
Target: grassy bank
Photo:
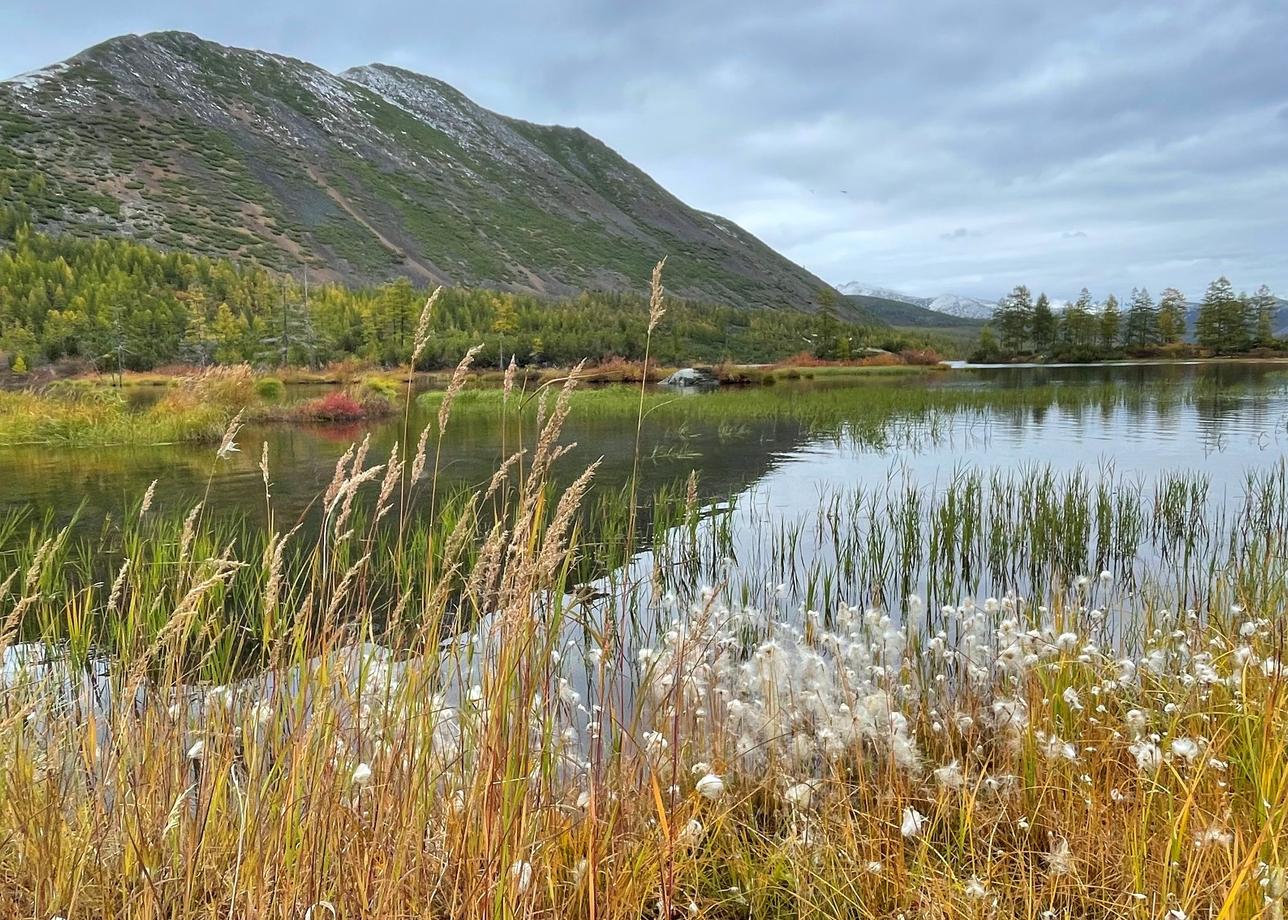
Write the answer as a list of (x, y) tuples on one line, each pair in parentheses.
[(192, 408), (393, 719)]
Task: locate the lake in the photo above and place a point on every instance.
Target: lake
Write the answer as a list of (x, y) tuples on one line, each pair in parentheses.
[(1221, 419), (775, 457)]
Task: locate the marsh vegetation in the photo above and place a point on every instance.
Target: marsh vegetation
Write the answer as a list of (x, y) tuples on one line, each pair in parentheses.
[(862, 662)]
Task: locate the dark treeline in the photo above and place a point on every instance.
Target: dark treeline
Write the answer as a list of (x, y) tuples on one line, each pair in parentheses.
[(1228, 323), (119, 303)]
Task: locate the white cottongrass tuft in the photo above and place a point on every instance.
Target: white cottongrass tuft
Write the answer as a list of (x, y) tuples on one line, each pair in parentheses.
[(691, 834), (799, 796), (1185, 748), (1148, 756), (711, 787), (1060, 858), (521, 876), (949, 776), (913, 822)]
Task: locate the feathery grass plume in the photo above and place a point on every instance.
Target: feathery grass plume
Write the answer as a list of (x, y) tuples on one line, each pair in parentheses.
[(274, 552), (228, 443), (450, 559), (502, 473), (656, 307), (146, 505), (418, 462), (338, 477), (342, 590), (360, 458), (118, 586), (348, 492), (421, 337), (508, 384), (547, 439), (555, 547), (263, 466), (393, 475), (454, 388), (481, 583), (189, 532)]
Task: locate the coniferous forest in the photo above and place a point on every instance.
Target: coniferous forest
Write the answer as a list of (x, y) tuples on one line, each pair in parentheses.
[(115, 303), (1226, 324)]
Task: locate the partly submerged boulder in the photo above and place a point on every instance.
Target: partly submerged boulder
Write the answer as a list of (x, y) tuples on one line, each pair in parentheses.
[(694, 377)]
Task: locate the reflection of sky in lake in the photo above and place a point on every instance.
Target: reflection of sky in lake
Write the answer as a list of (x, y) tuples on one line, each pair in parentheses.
[(1219, 419), (1244, 434)]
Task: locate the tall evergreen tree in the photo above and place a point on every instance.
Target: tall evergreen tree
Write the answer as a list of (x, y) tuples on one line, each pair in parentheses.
[(1264, 310), (1078, 326), (1171, 316), (1014, 320), (1044, 325), (1223, 323), (1110, 323), (1141, 328)]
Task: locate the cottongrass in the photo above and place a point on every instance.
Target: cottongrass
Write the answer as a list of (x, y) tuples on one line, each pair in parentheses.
[(757, 764)]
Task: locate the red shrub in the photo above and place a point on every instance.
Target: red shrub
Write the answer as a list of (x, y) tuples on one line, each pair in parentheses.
[(333, 407)]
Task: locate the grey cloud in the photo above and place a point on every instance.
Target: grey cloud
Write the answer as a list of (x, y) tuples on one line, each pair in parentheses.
[(1158, 129)]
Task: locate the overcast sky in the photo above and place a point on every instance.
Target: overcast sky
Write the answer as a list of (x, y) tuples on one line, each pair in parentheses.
[(930, 147)]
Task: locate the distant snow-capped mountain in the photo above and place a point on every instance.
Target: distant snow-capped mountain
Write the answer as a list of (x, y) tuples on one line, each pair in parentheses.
[(859, 289), (949, 304), (959, 305)]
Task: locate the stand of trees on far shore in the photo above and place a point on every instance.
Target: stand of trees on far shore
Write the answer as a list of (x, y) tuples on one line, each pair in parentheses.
[(113, 303), (1227, 324)]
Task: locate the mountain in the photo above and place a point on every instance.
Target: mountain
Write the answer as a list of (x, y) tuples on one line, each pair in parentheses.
[(948, 304), (909, 315), (362, 176), (859, 289), (964, 307)]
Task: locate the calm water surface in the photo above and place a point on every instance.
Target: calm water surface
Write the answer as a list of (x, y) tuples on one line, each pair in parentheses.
[(1222, 420)]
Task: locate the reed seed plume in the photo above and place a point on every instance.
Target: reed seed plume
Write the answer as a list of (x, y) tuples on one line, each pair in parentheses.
[(656, 306), (507, 385), (418, 461), (228, 443), (420, 340), (146, 505), (342, 467), (454, 388)]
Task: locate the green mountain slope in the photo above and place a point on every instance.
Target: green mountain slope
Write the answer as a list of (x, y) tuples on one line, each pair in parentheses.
[(360, 177)]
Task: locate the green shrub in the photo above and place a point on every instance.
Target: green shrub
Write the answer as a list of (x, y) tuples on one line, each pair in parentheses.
[(269, 388)]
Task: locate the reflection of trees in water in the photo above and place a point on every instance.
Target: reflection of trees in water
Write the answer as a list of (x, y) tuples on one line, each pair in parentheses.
[(730, 454)]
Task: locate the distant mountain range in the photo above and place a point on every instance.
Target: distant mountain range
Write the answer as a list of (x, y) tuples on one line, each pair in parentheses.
[(361, 176), (948, 304), (957, 306)]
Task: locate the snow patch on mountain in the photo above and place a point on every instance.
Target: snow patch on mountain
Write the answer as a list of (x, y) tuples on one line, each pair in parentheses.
[(949, 304), (859, 289), (959, 305)]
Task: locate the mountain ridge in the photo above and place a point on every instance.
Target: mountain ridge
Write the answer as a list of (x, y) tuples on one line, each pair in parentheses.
[(954, 305), (362, 176)]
